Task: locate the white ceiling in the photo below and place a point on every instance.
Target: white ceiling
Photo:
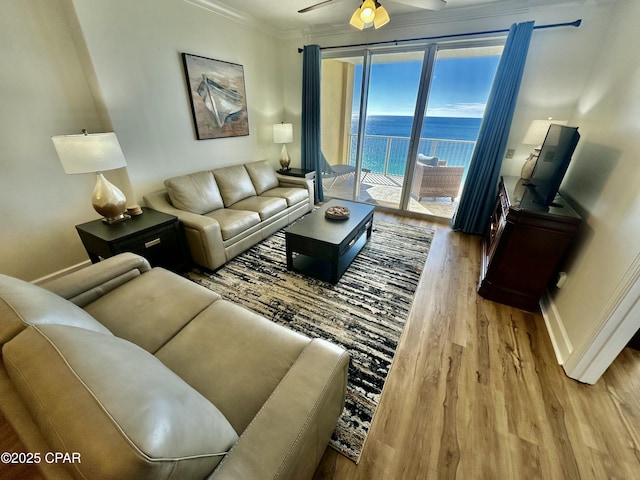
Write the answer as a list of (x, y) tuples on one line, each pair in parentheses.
[(281, 17)]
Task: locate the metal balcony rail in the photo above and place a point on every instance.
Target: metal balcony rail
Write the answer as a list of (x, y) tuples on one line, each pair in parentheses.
[(387, 155)]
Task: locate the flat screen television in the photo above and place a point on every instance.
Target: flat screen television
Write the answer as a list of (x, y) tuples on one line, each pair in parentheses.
[(555, 155)]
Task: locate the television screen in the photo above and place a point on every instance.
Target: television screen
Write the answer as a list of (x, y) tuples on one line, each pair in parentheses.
[(553, 161)]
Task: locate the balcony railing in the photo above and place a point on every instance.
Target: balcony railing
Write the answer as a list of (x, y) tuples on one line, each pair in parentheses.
[(387, 155)]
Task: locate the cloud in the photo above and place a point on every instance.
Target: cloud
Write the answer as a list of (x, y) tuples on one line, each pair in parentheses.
[(466, 110), (460, 110)]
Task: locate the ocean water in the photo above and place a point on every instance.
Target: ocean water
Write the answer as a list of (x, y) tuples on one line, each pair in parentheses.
[(450, 128), (387, 141)]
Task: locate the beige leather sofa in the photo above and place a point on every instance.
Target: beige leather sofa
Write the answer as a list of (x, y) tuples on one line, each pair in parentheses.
[(138, 373), (226, 210)]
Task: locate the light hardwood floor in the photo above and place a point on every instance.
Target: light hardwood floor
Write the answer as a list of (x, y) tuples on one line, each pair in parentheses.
[(475, 392)]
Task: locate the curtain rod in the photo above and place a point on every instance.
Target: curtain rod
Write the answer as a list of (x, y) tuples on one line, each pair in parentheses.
[(454, 35)]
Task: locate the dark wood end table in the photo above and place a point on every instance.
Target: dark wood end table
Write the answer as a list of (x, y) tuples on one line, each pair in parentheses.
[(300, 173), (154, 235)]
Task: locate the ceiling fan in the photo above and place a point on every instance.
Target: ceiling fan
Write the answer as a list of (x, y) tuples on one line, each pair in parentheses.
[(424, 4)]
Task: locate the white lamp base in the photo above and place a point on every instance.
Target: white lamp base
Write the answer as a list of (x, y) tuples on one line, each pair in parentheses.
[(109, 201), (530, 164), (285, 161)]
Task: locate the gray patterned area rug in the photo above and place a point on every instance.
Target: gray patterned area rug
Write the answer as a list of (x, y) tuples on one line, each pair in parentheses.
[(364, 312)]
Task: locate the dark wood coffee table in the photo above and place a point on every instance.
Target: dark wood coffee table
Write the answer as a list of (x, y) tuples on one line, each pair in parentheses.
[(324, 248)]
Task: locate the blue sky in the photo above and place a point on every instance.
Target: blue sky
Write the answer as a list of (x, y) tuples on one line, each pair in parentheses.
[(460, 87)]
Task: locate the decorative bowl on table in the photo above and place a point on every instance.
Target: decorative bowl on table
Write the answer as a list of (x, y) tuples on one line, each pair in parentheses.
[(337, 212)]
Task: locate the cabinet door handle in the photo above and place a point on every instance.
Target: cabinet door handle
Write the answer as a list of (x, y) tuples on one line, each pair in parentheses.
[(152, 243)]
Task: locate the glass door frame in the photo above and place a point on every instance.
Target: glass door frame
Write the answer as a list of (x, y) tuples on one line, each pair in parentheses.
[(430, 51), (428, 62), (362, 119)]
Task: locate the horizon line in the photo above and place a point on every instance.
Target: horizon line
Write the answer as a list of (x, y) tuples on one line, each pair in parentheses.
[(411, 116)]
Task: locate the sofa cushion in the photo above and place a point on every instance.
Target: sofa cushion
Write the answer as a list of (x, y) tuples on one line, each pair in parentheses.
[(234, 357), (234, 222), (196, 193), (262, 176), (234, 184), (292, 195), (117, 405), (146, 312), (266, 207), (428, 161), (23, 304)]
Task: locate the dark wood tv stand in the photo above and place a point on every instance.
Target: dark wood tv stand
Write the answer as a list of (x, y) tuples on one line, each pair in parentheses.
[(524, 244)]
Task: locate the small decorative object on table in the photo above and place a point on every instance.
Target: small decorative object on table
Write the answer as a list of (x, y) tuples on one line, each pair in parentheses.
[(134, 210), (337, 212)]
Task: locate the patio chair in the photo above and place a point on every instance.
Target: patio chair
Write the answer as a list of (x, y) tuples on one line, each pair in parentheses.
[(338, 171), (438, 181)]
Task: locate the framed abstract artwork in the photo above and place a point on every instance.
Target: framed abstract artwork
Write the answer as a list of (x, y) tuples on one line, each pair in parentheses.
[(218, 97)]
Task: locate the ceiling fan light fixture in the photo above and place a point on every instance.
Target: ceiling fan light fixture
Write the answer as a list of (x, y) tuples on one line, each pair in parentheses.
[(382, 16), (369, 14)]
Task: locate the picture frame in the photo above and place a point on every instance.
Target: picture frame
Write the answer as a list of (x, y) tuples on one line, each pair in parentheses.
[(218, 97)]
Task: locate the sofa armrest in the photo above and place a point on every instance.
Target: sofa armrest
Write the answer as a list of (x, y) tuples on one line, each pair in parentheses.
[(203, 233), (159, 200), (84, 286), (289, 435), (299, 182)]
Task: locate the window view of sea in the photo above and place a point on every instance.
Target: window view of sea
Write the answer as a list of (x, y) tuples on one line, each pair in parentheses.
[(387, 141)]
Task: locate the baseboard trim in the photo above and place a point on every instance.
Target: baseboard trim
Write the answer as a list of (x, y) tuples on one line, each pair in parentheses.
[(557, 333), (61, 273)]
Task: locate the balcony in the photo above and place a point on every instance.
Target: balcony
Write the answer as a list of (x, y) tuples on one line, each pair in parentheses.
[(386, 158)]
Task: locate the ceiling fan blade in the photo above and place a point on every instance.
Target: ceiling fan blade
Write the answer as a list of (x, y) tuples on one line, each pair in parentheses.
[(317, 5), (426, 4)]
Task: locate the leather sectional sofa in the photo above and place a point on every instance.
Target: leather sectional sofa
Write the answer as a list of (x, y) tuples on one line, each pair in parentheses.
[(139, 373), (225, 211)]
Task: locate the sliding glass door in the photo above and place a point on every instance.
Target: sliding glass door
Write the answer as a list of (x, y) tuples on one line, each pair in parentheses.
[(388, 115)]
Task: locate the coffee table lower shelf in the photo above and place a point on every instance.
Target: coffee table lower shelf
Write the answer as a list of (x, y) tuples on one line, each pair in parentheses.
[(324, 269)]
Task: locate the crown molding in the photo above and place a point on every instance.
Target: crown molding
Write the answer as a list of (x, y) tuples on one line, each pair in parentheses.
[(498, 10), (399, 23), (429, 18)]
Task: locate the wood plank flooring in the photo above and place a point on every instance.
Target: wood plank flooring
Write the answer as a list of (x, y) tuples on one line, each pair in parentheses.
[(475, 392)]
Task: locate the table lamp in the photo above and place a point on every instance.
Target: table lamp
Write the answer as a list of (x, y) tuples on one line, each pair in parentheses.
[(535, 135), (95, 153), (283, 133)]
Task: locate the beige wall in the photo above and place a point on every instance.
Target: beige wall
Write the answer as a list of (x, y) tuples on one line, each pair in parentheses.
[(116, 66), (135, 48), (44, 92), (604, 180)]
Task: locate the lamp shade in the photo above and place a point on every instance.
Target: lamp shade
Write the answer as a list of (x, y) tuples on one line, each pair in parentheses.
[(356, 21), (283, 133), (538, 131), (89, 153)]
